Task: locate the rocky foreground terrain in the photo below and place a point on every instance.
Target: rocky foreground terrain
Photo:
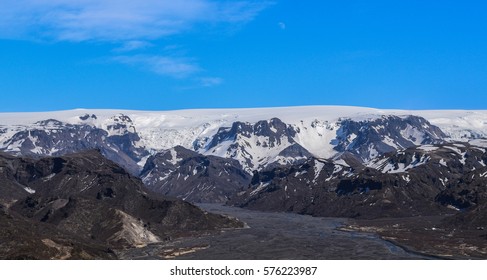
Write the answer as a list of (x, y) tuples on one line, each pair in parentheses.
[(83, 206)]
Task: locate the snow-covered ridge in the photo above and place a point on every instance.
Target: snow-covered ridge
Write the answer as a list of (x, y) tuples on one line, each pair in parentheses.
[(316, 128), (452, 121)]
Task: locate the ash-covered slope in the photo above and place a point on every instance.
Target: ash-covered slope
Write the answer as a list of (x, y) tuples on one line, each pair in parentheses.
[(185, 174), (420, 181), (11, 190), (22, 238), (91, 198)]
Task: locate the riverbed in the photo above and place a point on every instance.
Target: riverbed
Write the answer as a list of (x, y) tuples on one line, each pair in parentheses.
[(275, 236)]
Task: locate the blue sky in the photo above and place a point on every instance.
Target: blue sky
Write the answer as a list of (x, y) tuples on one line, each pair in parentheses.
[(164, 54)]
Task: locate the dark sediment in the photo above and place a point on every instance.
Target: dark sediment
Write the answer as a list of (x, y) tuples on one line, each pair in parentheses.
[(276, 236)]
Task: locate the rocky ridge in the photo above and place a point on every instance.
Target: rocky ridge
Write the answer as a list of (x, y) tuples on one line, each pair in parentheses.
[(91, 200)]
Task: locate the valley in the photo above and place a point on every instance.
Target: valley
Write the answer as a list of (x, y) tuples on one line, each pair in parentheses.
[(271, 236)]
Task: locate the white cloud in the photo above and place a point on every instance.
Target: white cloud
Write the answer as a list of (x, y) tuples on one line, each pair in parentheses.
[(178, 68), (210, 81), (282, 25), (133, 46), (134, 25), (115, 20)]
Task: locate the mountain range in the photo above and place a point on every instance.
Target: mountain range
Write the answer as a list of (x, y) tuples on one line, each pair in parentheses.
[(323, 161)]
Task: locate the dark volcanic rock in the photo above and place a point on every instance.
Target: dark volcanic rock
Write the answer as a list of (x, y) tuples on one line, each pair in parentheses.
[(193, 177), (22, 238), (429, 180), (370, 194), (291, 189), (474, 219), (91, 198), (469, 195), (11, 190)]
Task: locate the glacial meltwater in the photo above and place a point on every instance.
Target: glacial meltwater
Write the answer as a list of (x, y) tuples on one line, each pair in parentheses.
[(271, 236)]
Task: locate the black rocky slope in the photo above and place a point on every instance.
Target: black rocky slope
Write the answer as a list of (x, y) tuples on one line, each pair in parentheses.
[(11, 190), (420, 181), (469, 195), (193, 177), (91, 198), (22, 238)]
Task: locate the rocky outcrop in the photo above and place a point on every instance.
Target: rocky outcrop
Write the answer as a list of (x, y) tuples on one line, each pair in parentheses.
[(194, 177), (91, 198), (25, 239)]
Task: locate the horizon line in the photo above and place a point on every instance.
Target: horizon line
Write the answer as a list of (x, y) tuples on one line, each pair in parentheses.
[(238, 108)]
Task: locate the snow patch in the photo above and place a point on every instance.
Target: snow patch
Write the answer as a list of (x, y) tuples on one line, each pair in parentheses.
[(341, 162), (406, 178), (455, 149), (259, 188), (317, 168), (297, 174), (402, 168), (444, 181), (174, 157), (29, 190), (413, 135), (316, 136), (390, 142), (428, 148), (49, 177), (464, 159)]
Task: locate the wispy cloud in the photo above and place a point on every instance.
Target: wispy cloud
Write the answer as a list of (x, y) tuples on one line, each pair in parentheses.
[(178, 68), (133, 46), (134, 25), (210, 81), (115, 20)]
